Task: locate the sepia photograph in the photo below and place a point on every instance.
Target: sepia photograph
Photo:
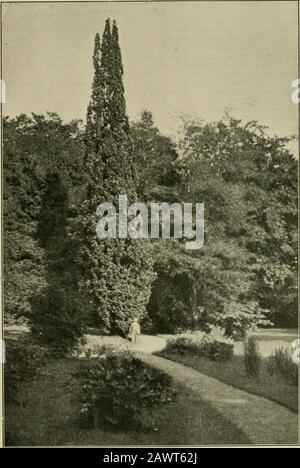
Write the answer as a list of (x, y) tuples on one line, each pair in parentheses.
[(149, 225)]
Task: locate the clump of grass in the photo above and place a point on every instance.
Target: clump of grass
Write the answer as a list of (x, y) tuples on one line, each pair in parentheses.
[(281, 363), (252, 358)]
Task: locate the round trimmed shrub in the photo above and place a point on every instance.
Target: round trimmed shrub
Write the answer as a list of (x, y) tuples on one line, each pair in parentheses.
[(117, 388)]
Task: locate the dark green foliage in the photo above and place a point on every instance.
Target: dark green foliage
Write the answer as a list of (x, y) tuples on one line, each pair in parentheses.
[(218, 351), (281, 363), (57, 318), (169, 308), (248, 182), (155, 157), (182, 346), (204, 347), (108, 145), (23, 259), (57, 321), (24, 362), (116, 275), (196, 290), (252, 358), (118, 388), (34, 148), (246, 273)]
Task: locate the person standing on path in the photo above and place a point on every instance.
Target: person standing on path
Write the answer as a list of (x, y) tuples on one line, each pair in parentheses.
[(134, 330)]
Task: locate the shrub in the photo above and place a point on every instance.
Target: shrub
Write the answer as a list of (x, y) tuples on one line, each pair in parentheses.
[(252, 358), (56, 322), (281, 363), (24, 361), (181, 345), (212, 345), (117, 388), (218, 351), (238, 318)]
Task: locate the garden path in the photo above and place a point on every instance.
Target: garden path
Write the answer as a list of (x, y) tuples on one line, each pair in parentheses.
[(261, 420)]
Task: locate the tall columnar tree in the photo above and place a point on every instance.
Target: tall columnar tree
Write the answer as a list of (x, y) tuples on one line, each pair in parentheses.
[(116, 274)]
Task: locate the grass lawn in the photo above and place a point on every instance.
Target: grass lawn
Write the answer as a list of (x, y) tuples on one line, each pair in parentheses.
[(47, 419), (233, 373)]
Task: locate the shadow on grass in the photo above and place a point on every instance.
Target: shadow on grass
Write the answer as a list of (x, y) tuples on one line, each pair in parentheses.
[(232, 373), (48, 419)]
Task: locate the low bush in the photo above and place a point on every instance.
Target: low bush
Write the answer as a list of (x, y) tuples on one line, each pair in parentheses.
[(213, 345), (117, 388), (181, 345), (218, 351), (252, 357), (281, 363), (24, 361)]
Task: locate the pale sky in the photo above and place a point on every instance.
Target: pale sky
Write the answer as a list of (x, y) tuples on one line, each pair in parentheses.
[(179, 58)]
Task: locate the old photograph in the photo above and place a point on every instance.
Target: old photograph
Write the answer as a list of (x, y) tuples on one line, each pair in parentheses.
[(150, 224)]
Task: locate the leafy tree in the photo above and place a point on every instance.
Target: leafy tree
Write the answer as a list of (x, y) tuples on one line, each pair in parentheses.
[(23, 259), (247, 267), (248, 181), (155, 157), (116, 275), (32, 145)]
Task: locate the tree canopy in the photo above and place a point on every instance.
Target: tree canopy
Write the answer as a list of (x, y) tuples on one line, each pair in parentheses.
[(59, 275)]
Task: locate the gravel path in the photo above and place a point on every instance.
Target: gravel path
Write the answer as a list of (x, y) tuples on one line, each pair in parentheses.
[(263, 421)]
